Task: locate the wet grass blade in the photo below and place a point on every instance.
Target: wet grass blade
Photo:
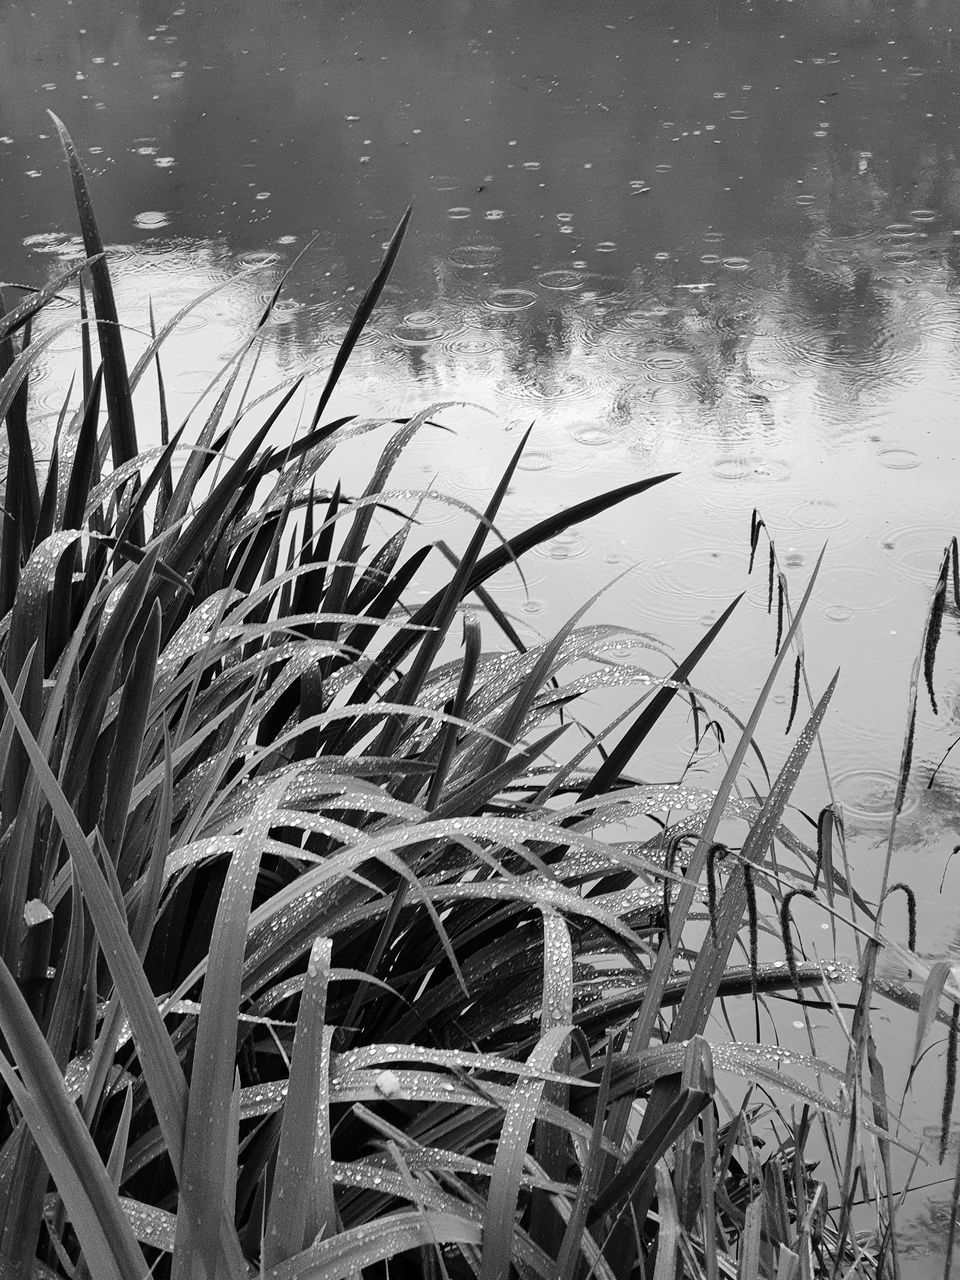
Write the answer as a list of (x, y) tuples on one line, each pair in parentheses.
[(498, 1223), (203, 1170), (48, 503), (363, 1246), (68, 1149), (301, 1204), (550, 1142), (165, 489), (158, 1058), (929, 1003), (96, 684), (22, 494), (135, 699), (27, 309)]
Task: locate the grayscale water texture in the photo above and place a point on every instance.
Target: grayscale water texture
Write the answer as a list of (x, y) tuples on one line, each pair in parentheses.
[(716, 237)]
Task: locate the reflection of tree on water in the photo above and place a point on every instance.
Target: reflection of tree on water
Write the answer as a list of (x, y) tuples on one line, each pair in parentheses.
[(851, 313)]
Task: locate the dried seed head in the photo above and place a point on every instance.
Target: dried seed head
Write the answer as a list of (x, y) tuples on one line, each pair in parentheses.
[(788, 950)]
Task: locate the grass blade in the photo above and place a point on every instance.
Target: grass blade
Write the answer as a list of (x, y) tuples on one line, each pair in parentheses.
[(65, 1142), (363, 1246), (498, 1223), (211, 1086), (361, 316), (617, 760), (670, 1122), (301, 1204), (123, 435)]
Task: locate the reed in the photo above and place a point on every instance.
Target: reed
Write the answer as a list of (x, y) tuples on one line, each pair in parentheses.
[(319, 953)]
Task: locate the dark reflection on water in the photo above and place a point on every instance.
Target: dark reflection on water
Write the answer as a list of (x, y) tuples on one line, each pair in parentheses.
[(719, 238)]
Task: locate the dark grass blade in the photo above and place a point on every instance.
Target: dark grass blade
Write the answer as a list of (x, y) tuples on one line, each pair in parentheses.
[(568, 1258), (448, 734), (96, 683), (611, 769), (361, 316), (158, 1058), (707, 976), (514, 717), (202, 457), (48, 503), (670, 1122), (131, 726), (165, 489), (22, 492), (155, 480), (184, 556), (412, 683), (123, 433), (495, 560)]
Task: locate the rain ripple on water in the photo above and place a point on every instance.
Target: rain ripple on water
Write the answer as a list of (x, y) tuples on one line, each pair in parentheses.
[(868, 795), (918, 548), (510, 300), (752, 467), (816, 513), (423, 329)]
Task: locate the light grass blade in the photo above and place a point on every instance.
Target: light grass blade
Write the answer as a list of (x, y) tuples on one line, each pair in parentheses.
[(550, 1143), (203, 1172), (498, 1223), (749, 1268), (301, 1203), (668, 1236), (343, 1257), (940, 971)]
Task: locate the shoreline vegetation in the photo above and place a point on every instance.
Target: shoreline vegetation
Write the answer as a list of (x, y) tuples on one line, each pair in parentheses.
[(322, 950)]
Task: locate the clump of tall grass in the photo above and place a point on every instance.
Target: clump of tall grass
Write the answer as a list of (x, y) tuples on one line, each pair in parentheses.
[(320, 955)]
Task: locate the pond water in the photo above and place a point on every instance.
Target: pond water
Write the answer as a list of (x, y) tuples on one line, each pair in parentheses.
[(720, 238)]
